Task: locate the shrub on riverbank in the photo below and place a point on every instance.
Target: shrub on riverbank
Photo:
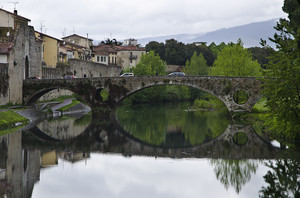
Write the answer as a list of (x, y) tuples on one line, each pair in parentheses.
[(210, 103)]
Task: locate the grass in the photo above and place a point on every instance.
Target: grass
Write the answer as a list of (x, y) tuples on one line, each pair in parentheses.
[(9, 118), (64, 108)]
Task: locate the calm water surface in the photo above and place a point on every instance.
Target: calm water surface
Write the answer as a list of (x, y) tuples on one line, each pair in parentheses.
[(147, 151)]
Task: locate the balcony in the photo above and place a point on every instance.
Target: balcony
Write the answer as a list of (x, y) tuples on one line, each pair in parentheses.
[(132, 57)]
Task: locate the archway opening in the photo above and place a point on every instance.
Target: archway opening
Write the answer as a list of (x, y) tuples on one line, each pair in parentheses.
[(240, 138), (240, 97), (26, 67), (102, 95), (167, 116)]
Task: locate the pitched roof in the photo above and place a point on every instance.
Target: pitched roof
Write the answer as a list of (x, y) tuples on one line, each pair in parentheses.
[(48, 36), (76, 35), (20, 17)]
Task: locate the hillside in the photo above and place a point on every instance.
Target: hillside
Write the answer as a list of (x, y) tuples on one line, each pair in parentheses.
[(249, 33)]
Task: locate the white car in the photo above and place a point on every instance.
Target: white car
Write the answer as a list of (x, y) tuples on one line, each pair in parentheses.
[(127, 74)]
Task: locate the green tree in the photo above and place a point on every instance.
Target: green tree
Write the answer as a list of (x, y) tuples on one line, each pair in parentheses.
[(261, 55), (207, 53), (217, 48), (196, 66), (175, 52), (158, 48), (234, 60), (150, 64), (282, 82)]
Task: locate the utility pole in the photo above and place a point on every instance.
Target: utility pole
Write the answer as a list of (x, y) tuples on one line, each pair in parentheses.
[(42, 26), (15, 4)]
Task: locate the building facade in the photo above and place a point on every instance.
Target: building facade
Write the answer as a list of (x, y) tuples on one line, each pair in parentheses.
[(49, 50), (20, 57)]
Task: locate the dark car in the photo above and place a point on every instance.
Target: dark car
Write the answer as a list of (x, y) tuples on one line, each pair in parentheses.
[(35, 77), (177, 74)]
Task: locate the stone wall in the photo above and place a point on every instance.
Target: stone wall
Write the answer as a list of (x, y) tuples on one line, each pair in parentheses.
[(52, 73), (82, 69), (24, 60)]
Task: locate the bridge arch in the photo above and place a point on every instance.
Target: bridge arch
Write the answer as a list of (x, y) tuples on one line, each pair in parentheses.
[(132, 92)]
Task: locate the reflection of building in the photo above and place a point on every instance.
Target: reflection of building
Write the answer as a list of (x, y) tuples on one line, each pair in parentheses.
[(49, 159), (74, 157), (22, 168)]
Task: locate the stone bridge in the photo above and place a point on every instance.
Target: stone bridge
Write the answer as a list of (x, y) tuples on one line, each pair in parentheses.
[(119, 88)]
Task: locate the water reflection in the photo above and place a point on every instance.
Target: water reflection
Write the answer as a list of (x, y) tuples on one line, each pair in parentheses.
[(113, 163), (63, 128), (234, 173), (283, 178), (171, 125)]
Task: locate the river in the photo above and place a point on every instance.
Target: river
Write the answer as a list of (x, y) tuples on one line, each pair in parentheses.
[(164, 150)]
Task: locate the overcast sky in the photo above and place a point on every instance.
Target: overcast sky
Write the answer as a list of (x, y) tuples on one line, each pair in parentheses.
[(123, 19)]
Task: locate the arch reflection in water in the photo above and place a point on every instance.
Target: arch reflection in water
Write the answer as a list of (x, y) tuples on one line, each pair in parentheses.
[(66, 127), (171, 125)]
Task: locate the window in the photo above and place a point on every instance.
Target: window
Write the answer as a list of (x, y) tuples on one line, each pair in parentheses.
[(101, 58), (98, 59)]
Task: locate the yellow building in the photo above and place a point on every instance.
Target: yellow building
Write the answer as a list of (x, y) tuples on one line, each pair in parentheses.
[(50, 49)]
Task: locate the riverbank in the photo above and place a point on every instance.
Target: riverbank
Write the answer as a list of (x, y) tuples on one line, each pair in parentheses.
[(14, 117)]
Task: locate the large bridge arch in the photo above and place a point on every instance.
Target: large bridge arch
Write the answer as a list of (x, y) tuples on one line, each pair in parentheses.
[(223, 88), (132, 92)]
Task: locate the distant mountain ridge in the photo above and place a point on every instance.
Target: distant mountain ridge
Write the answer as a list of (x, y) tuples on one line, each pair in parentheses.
[(249, 33)]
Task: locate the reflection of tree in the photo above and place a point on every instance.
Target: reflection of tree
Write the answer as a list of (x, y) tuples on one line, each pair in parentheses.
[(283, 179), (235, 173), (165, 125)]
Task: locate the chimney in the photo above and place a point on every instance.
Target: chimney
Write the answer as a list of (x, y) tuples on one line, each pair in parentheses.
[(16, 12)]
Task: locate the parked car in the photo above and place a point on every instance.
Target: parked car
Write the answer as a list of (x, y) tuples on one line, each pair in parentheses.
[(35, 77), (127, 75), (69, 76), (177, 74)]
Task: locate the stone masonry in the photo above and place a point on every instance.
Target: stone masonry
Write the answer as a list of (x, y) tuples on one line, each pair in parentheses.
[(119, 88)]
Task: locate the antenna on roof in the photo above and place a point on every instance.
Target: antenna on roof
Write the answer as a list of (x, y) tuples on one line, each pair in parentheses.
[(42, 26), (15, 4)]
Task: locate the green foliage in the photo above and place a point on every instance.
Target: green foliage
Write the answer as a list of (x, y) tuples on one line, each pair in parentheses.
[(282, 179), (209, 103), (65, 108), (170, 123), (282, 82), (240, 97), (104, 94), (150, 64), (260, 106), (234, 60), (177, 53), (196, 66), (158, 48), (261, 55), (9, 118), (234, 173), (216, 49)]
